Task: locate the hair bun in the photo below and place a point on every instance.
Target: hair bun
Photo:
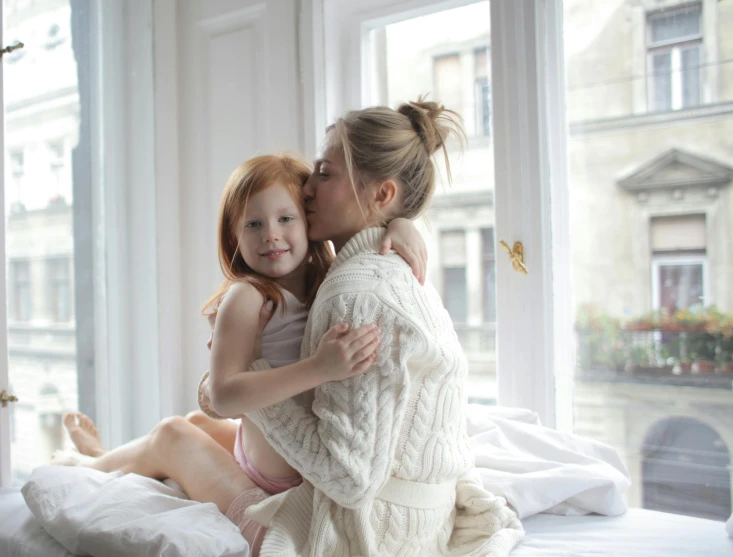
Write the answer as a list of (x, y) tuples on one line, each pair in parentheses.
[(431, 121)]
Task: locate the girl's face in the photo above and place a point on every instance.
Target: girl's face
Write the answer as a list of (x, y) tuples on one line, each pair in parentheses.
[(273, 236), (330, 201)]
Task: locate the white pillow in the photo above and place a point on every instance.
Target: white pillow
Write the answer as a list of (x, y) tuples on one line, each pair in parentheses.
[(110, 515)]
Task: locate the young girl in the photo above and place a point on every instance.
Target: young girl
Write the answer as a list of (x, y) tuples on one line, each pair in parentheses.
[(264, 254)]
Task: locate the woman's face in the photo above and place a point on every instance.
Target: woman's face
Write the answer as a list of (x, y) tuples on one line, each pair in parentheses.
[(331, 206)]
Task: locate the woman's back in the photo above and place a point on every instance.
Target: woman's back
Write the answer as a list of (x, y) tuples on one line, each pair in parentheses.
[(384, 454)]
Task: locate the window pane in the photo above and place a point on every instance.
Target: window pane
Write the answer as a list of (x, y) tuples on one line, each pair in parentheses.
[(42, 125), (447, 56), (675, 25), (662, 81), (691, 77), (651, 266), (454, 293), (680, 287)]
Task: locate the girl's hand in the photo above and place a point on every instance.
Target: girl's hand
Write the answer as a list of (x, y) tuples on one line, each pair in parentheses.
[(343, 354), (403, 237)]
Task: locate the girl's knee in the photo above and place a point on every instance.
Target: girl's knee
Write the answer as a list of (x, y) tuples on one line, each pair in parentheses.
[(198, 418), (170, 431)]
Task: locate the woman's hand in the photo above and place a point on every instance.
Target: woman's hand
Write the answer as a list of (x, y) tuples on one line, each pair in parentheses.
[(342, 354), (403, 237)]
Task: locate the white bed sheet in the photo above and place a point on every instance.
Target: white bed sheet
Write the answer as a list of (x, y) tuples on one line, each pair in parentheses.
[(638, 533), (21, 535)]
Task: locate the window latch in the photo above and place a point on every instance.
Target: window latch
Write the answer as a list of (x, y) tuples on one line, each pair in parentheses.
[(5, 398), (516, 254), (9, 49)]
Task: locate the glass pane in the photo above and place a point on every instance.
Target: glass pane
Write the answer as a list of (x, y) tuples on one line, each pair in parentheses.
[(680, 287), (691, 77), (651, 270), (41, 130), (675, 25), (447, 55), (661, 81)]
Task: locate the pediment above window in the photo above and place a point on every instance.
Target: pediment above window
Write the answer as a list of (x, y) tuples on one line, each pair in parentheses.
[(676, 169)]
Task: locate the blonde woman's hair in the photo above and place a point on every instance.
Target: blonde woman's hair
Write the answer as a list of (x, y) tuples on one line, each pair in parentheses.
[(380, 143)]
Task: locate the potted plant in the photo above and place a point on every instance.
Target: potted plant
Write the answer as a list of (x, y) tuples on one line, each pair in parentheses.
[(703, 347), (725, 342)]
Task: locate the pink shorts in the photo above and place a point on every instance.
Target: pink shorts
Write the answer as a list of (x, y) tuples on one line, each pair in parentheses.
[(269, 484)]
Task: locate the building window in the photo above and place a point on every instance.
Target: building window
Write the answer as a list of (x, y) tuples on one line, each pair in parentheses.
[(483, 91), (679, 262), (57, 161), (453, 262), (59, 296), (17, 171), (447, 79), (20, 295), (674, 54), (488, 270)]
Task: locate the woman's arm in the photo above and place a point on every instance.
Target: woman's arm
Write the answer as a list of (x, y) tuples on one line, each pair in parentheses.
[(344, 444), (404, 237), (232, 391)]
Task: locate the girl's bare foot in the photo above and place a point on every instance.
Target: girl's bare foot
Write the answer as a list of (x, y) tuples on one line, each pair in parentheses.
[(84, 434)]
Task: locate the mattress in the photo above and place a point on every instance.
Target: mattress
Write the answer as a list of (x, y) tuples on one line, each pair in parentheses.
[(638, 533)]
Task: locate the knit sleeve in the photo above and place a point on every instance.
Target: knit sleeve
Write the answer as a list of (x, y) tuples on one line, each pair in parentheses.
[(344, 443)]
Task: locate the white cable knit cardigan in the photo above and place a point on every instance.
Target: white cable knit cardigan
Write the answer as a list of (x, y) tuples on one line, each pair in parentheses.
[(356, 441)]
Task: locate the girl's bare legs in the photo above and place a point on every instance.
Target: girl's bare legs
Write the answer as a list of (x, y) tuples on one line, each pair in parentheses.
[(85, 437), (179, 450)]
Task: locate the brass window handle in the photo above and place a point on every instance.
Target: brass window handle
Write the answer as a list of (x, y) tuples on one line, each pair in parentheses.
[(5, 398), (11, 48), (516, 254)]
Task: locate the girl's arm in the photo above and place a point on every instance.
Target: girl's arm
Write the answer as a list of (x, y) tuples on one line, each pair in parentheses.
[(233, 392), (403, 237), (345, 442)]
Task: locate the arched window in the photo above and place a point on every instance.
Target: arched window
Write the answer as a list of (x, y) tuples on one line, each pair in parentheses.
[(686, 470)]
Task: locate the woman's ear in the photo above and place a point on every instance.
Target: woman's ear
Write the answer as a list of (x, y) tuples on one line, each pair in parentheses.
[(385, 197)]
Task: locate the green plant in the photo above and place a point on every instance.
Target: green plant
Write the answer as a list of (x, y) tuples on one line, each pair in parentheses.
[(702, 346)]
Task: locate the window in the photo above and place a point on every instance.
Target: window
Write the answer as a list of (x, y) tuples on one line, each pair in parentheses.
[(453, 258), (488, 269), (678, 262), (674, 45), (482, 72), (59, 294), (57, 162), (17, 172), (20, 295), (447, 81)]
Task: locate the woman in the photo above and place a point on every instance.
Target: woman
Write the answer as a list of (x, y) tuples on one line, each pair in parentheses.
[(385, 455)]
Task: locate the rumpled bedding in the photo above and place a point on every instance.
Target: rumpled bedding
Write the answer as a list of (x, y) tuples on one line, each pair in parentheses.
[(536, 469)]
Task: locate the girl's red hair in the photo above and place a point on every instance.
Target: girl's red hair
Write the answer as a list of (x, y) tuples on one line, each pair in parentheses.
[(248, 179)]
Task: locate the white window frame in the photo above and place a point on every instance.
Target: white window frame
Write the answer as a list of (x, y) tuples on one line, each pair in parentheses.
[(675, 48), (665, 260), (531, 201)]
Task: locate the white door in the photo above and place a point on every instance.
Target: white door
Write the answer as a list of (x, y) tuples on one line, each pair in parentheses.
[(239, 95), (498, 63)]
